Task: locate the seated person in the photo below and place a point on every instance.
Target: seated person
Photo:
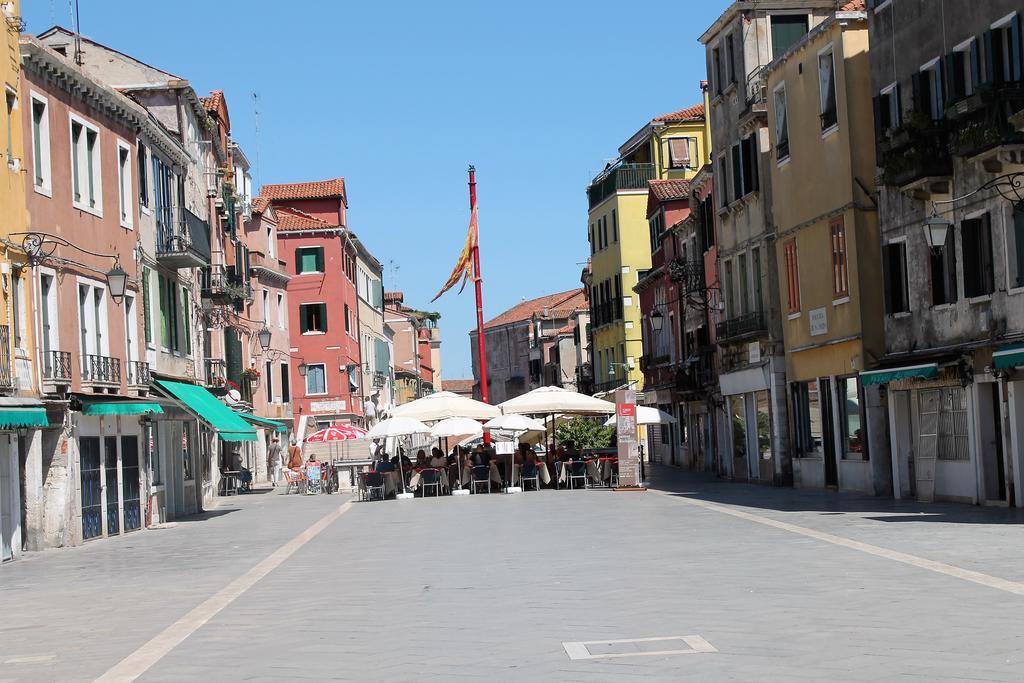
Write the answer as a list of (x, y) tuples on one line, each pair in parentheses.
[(406, 463), (385, 465), (480, 456), (421, 459), (437, 458)]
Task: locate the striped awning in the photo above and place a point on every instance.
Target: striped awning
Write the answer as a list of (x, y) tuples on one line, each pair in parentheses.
[(1008, 357)]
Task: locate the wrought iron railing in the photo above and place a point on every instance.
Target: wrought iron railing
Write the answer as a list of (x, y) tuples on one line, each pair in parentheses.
[(57, 366), (918, 149), (745, 325), (621, 177), (215, 372), (179, 231), (102, 369), (757, 88), (6, 376), (689, 273), (138, 373), (982, 119)]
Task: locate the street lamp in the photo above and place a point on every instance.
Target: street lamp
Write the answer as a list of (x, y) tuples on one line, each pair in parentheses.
[(264, 337), (936, 228), (657, 320), (117, 282), (302, 369)]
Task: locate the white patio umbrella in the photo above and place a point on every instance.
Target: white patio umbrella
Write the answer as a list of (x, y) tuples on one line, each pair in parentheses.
[(646, 415), (396, 427), (456, 426), (445, 404), (517, 424), (551, 400)]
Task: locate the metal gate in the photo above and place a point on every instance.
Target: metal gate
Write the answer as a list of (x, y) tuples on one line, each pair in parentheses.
[(92, 505), (6, 497), (131, 490), (113, 490), (927, 444)]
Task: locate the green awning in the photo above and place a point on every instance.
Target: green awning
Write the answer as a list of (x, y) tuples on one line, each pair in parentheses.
[(121, 408), (13, 418), (204, 405), (926, 371), (264, 422), (1008, 357)]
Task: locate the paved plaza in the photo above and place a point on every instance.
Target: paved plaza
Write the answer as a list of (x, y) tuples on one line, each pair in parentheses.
[(725, 581)]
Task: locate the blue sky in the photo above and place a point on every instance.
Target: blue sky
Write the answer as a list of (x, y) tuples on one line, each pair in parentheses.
[(399, 97)]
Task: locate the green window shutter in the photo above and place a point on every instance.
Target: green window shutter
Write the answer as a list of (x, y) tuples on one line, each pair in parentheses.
[(233, 356), (186, 310), (303, 318), (378, 294), (323, 317), (165, 333), (147, 324), (319, 251), (310, 261), (248, 267)]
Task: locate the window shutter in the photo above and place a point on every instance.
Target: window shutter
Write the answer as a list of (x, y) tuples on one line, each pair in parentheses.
[(941, 90), (975, 65), (303, 318), (246, 276), (187, 317), (953, 79), (1015, 55), (898, 94), (146, 312), (988, 49), (320, 259), (323, 317), (737, 173)]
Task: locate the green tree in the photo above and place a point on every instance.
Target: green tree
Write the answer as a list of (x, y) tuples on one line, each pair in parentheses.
[(584, 432)]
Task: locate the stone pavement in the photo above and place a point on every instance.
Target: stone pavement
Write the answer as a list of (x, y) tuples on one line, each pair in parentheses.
[(490, 587)]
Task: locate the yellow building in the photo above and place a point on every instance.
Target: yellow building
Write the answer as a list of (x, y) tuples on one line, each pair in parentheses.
[(821, 132), (674, 145)]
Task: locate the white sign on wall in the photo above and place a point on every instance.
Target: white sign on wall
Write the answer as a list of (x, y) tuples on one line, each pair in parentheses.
[(327, 407), (754, 352), (818, 320)]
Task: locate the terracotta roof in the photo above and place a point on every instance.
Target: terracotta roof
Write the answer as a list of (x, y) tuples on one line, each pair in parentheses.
[(394, 296), (562, 302), (260, 204), (666, 190), (694, 113), (289, 218), (213, 101), (854, 6), (317, 189), (458, 386)]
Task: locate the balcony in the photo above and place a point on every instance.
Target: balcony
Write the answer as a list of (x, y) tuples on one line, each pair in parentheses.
[(697, 373), (56, 368), (221, 284), (261, 264), (689, 273), (215, 373), (982, 120), (182, 238), (917, 150), (740, 327), (620, 177), (138, 374), (756, 110), (103, 370), (6, 376)]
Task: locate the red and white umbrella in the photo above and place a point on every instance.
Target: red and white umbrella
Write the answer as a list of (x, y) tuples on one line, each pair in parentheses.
[(337, 433)]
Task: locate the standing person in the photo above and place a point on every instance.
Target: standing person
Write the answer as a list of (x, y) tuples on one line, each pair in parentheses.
[(274, 460), (294, 457)]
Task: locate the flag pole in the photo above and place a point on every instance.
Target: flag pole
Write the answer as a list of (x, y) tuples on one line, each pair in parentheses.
[(481, 344)]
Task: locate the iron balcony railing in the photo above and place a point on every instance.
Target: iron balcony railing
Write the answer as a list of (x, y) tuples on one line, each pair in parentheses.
[(182, 237), (138, 373), (982, 119), (746, 325), (6, 377), (916, 150), (689, 273), (757, 88), (611, 384), (57, 366), (620, 177), (215, 372), (101, 369)]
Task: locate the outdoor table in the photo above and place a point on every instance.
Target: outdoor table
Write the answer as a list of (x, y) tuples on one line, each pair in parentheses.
[(230, 479), (542, 472), (467, 473), (442, 476), (592, 471)]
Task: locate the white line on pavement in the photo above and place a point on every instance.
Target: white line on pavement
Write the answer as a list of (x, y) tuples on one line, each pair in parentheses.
[(138, 662), (987, 580)]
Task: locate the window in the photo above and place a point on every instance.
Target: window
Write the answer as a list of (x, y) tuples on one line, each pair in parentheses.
[(12, 102), (781, 125), (280, 310), (748, 164), (851, 419), (48, 320), (894, 271), (142, 163), (18, 309), (86, 181), (730, 56), (124, 183), (738, 417), (170, 336), (930, 94), (163, 199), (657, 226), (316, 379), (266, 307), (92, 317), (1003, 50), (313, 318), (792, 276), (755, 262), (41, 145), (590, 237), (716, 65), (269, 373), (948, 405), (131, 337), (615, 226), (787, 30), (807, 418), (146, 310), (744, 286), (348, 324), (1015, 248), (737, 173), (721, 182), (943, 272), (730, 301), (965, 69), (976, 243), (286, 394), (840, 266), (888, 109), (681, 152), (604, 231), (707, 223), (309, 260), (827, 88)]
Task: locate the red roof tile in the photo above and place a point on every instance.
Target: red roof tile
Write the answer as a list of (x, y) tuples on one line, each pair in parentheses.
[(260, 204), (213, 101), (558, 305), (317, 189), (694, 113), (289, 218), (853, 6), (667, 190), (458, 386)]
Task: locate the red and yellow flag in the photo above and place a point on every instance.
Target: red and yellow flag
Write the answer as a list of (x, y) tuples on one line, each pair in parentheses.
[(464, 266)]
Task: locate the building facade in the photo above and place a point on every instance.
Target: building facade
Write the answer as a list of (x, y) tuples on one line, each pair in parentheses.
[(671, 146), (412, 334), (376, 372)]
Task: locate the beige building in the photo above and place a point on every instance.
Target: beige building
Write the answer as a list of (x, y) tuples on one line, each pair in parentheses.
[(377, 378), (821, 136)]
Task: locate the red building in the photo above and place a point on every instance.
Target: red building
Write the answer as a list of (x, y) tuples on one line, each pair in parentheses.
[(320, 256)]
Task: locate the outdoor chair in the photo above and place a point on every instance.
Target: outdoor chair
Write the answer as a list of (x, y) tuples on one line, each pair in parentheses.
[(294, 480), (481, 475), (577, 472), (529, 473), (374, 485), (430, 478)]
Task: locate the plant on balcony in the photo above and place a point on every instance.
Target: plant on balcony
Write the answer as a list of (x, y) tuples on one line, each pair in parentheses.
[(975, 136), (584, 433), (251, 374)]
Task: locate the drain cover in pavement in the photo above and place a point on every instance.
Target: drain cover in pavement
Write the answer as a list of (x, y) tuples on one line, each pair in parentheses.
[(638, 647)]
